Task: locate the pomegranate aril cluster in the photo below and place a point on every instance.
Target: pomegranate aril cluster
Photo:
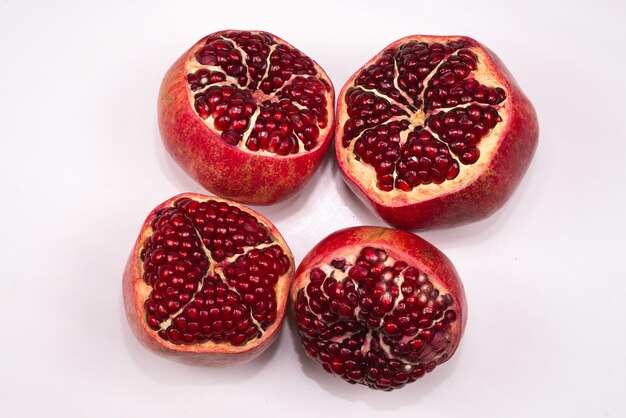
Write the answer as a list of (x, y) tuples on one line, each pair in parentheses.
[(380, 77), (309, 93), (380, 147), (216, 314), (295, 118), (222, 53), (257, 48), (462, 129), (225, 230), (213, 269), (374, 320), (424, 160), (406, 86), (202, 78), (366, 110), (174, 264), (259, 93), (450, 86), (253, 276), (285, 62), (230, 108), (416, 60)]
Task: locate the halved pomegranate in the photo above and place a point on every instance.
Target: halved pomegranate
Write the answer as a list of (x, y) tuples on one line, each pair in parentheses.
[(207, 281), (378, 306), (247, 115), (433, 132)]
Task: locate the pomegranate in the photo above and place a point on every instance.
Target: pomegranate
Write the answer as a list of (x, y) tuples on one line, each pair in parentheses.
[(434, 132), (207, 281), (378, 306), (247, 115)]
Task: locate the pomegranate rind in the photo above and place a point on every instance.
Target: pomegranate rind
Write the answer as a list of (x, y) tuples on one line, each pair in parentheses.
[(208, 353), (226, 170), (399, 245), (458, 201)]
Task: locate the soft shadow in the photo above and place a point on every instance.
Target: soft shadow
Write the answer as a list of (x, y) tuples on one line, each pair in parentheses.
[(283, 210), (530, 196), (361, 212), (473, 233), (166, 371)]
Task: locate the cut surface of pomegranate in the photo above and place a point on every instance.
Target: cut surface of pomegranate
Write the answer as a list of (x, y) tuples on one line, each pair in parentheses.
[(378, 306), (434, 131), (247, 115), (207, 281)]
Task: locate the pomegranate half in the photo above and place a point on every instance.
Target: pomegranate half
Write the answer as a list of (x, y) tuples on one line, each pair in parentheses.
[(434, 132), (247, 115), (207, 281), (378, 306)]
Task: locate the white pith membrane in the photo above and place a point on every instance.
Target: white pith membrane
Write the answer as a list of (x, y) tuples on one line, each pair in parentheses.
[(364, 174), (349, 255), (143, 289), (192, 65)]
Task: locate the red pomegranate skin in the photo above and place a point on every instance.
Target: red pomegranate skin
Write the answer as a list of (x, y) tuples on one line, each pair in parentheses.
[(489, 191), (227, 171), (221, 355)]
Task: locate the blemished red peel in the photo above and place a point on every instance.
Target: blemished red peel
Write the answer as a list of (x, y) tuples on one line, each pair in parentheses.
[(378, 306), (247, 115), (207, 281), (434, 132)]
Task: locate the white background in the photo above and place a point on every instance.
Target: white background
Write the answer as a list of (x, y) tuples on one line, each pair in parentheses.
[(82, 164)]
